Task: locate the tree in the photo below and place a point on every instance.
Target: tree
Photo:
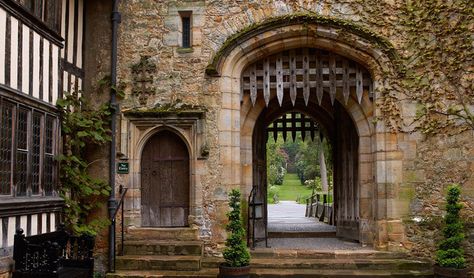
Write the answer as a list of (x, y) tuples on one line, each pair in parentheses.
[(276, 162)]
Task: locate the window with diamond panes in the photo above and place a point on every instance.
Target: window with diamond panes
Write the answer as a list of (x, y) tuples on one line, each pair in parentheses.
[(36, 154), (49, 156), (22, 152), (27, 150), (6, 146)]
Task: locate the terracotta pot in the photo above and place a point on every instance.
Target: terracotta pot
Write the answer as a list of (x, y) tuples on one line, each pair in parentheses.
[(233, 272), (446, 272)]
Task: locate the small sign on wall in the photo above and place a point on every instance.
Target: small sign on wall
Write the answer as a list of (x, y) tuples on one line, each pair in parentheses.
[(122, 168)]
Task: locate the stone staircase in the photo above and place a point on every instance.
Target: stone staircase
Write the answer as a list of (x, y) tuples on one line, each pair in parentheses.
[(161, 252), (178, 253), (334, 263)]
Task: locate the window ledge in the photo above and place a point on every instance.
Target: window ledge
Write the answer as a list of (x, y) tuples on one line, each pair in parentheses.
[(10, 206), (183, 50)]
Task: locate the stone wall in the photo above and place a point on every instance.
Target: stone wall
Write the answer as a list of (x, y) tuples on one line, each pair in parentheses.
[(96, 68), (421, 164)]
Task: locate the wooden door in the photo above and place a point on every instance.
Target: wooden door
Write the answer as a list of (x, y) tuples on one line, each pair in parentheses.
[(165, 181)]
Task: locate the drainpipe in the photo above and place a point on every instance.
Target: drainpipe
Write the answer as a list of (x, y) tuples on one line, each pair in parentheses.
[(112, 204)]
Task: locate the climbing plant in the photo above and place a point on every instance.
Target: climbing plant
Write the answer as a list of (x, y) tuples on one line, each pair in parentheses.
[(439, 68), (81, 125)]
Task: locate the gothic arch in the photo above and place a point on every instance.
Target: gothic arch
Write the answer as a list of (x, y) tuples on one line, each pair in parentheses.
[(228, 65)]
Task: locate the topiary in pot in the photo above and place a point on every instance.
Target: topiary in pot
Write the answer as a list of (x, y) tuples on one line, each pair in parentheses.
[(450, 261), (236, 254)]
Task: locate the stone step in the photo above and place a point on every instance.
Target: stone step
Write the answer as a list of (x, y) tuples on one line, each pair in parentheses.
[(162, 247), (316, 273), (175, 234), (302, 234), (325, 254), (204, 273), (149, 262), (341, 264), (208, 273), (328, 264)]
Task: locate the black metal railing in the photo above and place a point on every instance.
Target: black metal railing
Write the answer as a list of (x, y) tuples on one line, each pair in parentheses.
[(120, 205), (256, 211), (54, 254), (251, 233)]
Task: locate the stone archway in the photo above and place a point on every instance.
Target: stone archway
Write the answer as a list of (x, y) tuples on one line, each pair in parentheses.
[(376, 169), (308, 80)]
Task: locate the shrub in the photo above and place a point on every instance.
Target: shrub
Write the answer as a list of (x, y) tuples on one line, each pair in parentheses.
[(273, 192), (450, 253), (236, 253)]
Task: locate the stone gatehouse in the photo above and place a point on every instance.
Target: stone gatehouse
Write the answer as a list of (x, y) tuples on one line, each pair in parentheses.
[(203, 78), (389, 83)]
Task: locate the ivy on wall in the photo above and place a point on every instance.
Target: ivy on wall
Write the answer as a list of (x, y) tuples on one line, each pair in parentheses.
[(439, 62), (82, 125), (429, 42)]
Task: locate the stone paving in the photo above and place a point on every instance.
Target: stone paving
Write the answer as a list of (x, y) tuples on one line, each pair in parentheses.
[(288, 216), (313, 244)]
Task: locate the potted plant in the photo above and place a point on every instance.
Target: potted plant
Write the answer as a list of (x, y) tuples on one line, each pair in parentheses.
[(236, 254), (450, 261)]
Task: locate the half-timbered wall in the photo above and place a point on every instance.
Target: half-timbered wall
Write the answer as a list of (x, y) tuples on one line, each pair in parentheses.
[(41, 45), (72, 30), (29, 58)]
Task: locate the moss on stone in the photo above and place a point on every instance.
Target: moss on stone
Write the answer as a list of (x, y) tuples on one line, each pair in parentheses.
[(167, 110), (299, 18)]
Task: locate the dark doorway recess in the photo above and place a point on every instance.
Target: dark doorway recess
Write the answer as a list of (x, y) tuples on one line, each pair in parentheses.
[(337, 126)]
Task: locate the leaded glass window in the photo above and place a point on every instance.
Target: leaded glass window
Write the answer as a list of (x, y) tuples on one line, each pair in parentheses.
[(22, 152), (28, 145), (6, 132)]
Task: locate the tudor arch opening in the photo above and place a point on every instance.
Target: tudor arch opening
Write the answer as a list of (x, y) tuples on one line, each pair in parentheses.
[(165, 181), (327, 88)]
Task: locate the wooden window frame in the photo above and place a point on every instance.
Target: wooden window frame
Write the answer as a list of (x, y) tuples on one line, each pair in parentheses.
[(41, 10), (31, 111)]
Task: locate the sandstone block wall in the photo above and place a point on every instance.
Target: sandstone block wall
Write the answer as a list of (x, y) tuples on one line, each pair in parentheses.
[(409, 169)]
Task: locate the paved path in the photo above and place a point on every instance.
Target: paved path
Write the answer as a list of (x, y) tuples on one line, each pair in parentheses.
[(312, 244), (288, 216)]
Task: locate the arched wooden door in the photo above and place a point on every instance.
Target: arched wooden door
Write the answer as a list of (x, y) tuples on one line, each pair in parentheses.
[(165, 181)]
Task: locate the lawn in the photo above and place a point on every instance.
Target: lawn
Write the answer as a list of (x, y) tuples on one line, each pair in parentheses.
[(290, 190)]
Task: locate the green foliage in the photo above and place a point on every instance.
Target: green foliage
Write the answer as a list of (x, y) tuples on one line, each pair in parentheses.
[(273, 194), (276, 162), (291, 189), (450, 253), (82, 126), (236, 253), (438, 62), (307, 160)]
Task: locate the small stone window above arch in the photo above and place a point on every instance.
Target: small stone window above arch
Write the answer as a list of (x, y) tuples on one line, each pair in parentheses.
[(186, 30)]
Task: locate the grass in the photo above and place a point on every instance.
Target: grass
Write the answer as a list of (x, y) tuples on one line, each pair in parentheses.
[(290, 190)]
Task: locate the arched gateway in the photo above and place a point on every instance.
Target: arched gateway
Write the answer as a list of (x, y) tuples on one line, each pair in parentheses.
[(308, 80), (334, 80)]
